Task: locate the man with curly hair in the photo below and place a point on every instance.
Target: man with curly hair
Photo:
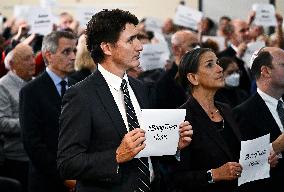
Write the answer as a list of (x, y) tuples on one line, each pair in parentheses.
[(97, 139)]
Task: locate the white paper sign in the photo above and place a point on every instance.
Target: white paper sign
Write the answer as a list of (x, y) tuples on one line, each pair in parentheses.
[(161, 126), (187, 17), (40, 20), (84, 15), (254, 159), (48, 3), (22, 11), (251, 48), (218, 39), (1, 23), (153, 24), (154, 56), (264, 14)]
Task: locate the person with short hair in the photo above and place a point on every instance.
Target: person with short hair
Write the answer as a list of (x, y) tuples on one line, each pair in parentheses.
[(100, 132), (21, 63), (40, 107)]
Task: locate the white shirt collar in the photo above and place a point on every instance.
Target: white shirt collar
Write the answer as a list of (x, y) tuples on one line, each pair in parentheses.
[(111, 79), (267, 98)]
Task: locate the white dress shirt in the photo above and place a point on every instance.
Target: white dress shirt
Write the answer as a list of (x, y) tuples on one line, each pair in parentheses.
[(114, 83)]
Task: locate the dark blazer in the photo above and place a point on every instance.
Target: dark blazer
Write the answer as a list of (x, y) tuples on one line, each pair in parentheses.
[(208, 150), (91, 130), (169, 92), (245, 79), (255, 120), (80, 75), (40, 106)]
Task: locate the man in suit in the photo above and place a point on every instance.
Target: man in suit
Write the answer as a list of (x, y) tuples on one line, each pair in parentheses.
[(259, 114), (21, 63), (40, 106), (97, 143), (239, 37), (170, 94)]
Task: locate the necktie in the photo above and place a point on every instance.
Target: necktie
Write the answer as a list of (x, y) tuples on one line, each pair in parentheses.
[(63, 84), (280, 111), (143, 177)]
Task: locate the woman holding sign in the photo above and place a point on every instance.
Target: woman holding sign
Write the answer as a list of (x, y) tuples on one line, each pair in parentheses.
[(210, 163)]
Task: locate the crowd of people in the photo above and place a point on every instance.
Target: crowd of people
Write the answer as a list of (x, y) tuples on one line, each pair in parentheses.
[(70, 104)]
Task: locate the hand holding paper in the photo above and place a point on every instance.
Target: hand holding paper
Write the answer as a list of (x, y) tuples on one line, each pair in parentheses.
[(185, 134)]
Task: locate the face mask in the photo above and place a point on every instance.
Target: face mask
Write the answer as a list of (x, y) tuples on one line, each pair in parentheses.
[(233, 80)]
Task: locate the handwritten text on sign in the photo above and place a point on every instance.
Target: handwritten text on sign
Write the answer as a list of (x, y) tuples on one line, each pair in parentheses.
[(161, 126), (254, 159)]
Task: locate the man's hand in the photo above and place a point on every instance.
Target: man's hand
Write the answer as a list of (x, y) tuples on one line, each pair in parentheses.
[(185, 134), (278, 144), (131, 145), (273, 159), (70, 184)]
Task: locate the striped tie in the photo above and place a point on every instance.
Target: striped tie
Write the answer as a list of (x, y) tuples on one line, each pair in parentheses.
[(280, 111), (143, 177)]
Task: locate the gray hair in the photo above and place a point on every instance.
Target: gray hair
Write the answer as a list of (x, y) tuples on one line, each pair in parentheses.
[(51, 41), (8, 59)]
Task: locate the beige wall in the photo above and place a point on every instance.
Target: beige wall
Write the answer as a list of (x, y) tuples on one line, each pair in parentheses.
[(141, 8), (155, 8)]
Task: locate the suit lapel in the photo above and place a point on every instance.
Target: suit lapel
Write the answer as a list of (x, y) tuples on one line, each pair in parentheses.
[(50, 89), (265, 117), (109, 104), (208, 127)]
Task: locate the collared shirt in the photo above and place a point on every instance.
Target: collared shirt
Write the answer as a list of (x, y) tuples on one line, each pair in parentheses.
[(114, 83), (56, 80), (271, 103)]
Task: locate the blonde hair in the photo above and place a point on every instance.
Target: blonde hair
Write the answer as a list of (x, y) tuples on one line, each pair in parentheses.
[(83, 57)]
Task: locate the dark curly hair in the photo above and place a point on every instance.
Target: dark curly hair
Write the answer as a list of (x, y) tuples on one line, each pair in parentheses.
[(190, 64), (105, 26)]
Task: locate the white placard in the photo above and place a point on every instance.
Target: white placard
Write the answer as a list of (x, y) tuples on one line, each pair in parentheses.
[(254, 159), (251, 48), (264, 14), (84, 15), (40, 20), (218, 39), (22, 11), (187, 17), (48, 3), (154, 56), (1, 23), (162, 131), (153, 24)]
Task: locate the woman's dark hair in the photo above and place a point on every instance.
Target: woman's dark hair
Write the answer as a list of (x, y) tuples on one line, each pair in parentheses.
[(224, 62), (190, 64), (105, 26)]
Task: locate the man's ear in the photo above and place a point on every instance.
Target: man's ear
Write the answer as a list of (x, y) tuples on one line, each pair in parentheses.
[(193, 78), (265, 71), (106, 47), (48, 55)]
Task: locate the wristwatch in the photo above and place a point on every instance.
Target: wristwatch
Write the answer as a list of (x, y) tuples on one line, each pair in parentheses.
[(209, 176)]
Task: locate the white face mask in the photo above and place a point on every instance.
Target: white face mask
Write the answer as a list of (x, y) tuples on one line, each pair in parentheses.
[(233, 80)]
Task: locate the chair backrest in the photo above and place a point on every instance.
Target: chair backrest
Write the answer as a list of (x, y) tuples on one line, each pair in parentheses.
[(9, 185)]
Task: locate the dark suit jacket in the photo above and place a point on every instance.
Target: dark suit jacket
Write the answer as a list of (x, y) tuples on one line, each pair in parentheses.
[(208, 149), (91, 130), (40, 106), (169, 92), (245, 80), (80, 75), (255, 120)]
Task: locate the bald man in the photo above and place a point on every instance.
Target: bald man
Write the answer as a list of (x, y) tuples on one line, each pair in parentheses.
[(22, 68), (239, 37), (170, 94), (259, 115)]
